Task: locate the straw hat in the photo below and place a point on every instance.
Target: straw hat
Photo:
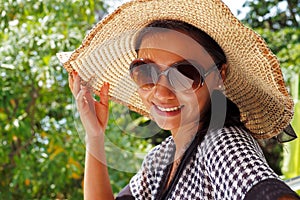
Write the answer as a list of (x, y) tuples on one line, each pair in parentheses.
[(254, 80)]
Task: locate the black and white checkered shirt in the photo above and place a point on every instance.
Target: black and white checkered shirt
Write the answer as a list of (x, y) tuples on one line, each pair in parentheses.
[(225, 165)]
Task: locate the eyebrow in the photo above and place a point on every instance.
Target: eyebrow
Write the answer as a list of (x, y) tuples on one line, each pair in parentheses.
[(191, 61)]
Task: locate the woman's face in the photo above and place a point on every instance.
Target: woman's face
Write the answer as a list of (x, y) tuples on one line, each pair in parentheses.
[(170, 109)]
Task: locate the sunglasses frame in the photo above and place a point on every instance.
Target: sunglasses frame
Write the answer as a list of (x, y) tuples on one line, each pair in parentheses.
[(165, 72)]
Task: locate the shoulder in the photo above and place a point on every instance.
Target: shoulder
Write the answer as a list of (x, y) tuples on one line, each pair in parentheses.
[(229, 133), (230, 147), (230, 138), (234, 162)]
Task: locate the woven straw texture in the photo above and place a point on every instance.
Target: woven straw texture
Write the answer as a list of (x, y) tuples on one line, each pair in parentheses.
[(254, 80)]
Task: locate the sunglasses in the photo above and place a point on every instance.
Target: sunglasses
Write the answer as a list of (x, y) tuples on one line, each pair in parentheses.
[(182, 76)]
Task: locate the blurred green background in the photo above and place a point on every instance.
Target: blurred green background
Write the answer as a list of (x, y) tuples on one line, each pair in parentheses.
[(41, 143)]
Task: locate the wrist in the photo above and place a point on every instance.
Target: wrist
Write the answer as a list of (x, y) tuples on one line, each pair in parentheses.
[(94, 139), (95, 146)]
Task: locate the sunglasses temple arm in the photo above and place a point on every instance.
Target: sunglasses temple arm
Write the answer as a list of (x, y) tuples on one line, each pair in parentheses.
[(210, 70)]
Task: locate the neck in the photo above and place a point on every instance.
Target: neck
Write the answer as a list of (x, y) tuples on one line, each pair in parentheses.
[(184, 136)]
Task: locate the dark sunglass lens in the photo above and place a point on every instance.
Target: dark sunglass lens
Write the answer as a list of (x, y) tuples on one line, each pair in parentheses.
[(144, 74), (191, 76)]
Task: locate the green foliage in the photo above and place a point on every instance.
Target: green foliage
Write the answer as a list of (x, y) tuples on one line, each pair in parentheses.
[(41, 157), (273, 14), (291, 162), (41, 154)]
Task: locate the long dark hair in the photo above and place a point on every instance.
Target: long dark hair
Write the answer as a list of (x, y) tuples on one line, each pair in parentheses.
[(232, 113)]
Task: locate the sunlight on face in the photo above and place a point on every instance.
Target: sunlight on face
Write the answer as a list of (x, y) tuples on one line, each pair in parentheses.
[(175, 110)]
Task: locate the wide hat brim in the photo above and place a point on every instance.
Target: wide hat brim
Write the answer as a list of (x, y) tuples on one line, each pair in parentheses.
[(254, 79)]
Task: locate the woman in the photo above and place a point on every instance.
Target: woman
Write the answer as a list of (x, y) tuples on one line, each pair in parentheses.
[(183, 65)]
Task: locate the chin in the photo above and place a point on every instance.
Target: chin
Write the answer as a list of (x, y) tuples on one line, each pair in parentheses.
[(166, 124)]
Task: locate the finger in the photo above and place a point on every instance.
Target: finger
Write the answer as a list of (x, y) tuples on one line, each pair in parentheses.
[(71, 81), (76, 85), (81, 101), (85, 102), (88, 96), (104, 94)]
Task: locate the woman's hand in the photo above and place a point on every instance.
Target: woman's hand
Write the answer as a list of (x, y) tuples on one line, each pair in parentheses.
[(94, 117), (93, 114)]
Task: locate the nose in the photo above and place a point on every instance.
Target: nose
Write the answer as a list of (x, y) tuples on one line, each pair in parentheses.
[(162, 89)]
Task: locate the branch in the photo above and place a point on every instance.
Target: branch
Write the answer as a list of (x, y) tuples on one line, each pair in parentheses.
[(17, 146), (293, 16), (34, 96), (16, 149)]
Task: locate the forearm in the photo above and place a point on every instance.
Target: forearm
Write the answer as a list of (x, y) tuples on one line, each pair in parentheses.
[(96, 178), (94, 118)]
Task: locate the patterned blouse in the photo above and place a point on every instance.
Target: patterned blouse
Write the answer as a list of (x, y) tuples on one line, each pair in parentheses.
[(225, 164)]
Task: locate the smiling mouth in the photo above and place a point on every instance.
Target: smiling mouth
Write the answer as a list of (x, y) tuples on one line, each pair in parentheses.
[(171, 109)]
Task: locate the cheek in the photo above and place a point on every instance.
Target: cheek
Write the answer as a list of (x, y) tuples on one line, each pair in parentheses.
[(145, 98), (202, 100), (205, 105)]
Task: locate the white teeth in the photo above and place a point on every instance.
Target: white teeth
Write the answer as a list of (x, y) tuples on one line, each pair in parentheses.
[(169, 109)]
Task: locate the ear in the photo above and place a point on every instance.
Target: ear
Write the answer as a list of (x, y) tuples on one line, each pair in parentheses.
[(222, 77), (223, 71)]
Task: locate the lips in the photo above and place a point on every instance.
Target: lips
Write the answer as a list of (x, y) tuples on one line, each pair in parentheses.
[(169, 109)]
